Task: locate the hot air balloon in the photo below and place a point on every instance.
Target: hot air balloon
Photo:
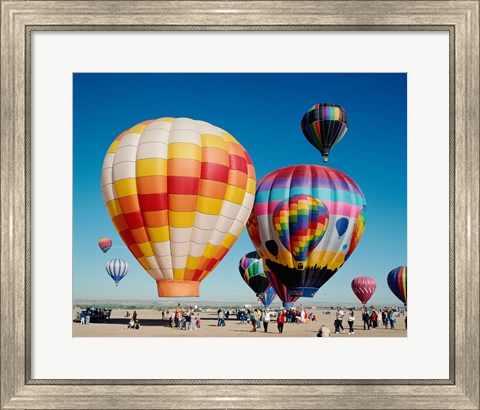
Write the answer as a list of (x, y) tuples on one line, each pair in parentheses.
[(288, 300), (397, 282), (117, 269), (105, 244), (324, 125), (179, 192), (364, 287), (293, 224), (251, 271), (267, 297)]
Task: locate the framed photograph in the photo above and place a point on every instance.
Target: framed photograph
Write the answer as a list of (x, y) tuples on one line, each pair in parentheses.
[(91, 91)]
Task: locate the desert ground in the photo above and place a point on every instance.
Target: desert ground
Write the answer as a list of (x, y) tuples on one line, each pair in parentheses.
[(152, 325)]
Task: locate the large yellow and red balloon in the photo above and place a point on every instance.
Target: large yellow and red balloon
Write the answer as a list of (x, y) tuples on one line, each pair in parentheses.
[(179, 192)]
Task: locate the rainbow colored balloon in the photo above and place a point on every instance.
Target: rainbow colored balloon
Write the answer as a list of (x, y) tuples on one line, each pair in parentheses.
[(397, 282), (105, 244), (304, 255), (364, 288), (324, 125), (300, 223), (179, 192), (288, 301), (251, 271), (267, 297)]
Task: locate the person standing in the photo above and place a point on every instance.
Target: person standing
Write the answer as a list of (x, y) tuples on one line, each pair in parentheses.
[(253, 321), (188, 322), (340, 316), (220, 318), (259, 318), (134, 317), (280, 321), (373, 319), (384, 318), (366, 319), (393, 319), (266, 320), (351, 321)]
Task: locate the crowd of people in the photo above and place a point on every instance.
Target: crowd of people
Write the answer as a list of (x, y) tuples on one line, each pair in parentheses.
[(371, 321), (184, 319), (189, 319)]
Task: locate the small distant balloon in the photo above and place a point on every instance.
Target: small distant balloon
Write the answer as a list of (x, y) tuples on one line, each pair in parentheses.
[(397, 282), (288, 301), (324, 125), (117, 269), (105, 244), (267, 297), (364, 287), (252, 272)]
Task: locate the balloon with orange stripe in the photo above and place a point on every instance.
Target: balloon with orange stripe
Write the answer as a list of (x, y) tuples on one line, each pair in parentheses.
[(179, 192), (105, 244)]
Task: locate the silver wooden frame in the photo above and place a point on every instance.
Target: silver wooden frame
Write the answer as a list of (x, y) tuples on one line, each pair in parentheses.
[(20, 18)]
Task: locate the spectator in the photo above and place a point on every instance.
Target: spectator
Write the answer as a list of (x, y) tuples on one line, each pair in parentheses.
[(351, 321)]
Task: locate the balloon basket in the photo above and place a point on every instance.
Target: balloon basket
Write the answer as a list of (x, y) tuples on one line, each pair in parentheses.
[(177, 288)]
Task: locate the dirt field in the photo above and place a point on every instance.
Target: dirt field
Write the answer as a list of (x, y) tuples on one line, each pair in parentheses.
[(151, 325)]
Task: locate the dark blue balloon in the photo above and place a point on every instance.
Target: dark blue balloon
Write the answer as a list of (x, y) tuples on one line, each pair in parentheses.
[(342, 225)]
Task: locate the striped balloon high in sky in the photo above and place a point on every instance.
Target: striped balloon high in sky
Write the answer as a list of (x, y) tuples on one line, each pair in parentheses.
[(364, 288), (117, 269), (324, 125), (397, 282), (267, 297), (304, 252), (179, 192), (251, 271)]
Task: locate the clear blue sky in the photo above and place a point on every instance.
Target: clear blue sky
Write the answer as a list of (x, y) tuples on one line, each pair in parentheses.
[(263, 112)]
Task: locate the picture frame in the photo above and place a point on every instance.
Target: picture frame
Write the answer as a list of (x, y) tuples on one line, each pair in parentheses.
[(21, 18)]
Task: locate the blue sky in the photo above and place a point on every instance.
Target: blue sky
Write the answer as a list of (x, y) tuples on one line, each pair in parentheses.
[(263, 112)]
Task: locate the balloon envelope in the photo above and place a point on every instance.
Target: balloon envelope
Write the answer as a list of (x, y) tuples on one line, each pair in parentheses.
[(303, 269), (267, 297), (364, 287), (117, 269), (105, 244), (281, 290), (324, 125), (251, 271), (397, 282), (179, 192)]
